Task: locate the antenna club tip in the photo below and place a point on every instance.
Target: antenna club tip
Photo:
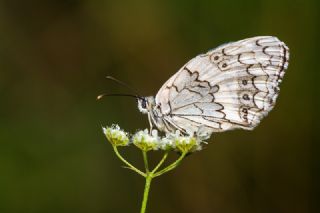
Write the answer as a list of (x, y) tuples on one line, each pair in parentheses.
[(99, 97)]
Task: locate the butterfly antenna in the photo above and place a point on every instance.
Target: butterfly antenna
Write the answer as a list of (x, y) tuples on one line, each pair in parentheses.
[(125, 85), (116, 94)]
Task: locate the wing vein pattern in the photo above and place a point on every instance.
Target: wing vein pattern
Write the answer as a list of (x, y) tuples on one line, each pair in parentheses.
[(232, 86)]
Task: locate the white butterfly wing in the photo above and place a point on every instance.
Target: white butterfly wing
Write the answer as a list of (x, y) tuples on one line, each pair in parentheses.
[(232, 86)]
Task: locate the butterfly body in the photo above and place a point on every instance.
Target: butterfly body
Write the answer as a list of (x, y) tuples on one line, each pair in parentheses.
[(232, 86), (147, 105)]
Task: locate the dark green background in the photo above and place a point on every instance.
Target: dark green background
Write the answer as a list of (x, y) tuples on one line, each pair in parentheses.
[(54, 56)]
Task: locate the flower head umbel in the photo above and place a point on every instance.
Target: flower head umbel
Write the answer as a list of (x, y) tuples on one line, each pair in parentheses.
[(145, 141), (184, 144), (116, 136), (187, 144)]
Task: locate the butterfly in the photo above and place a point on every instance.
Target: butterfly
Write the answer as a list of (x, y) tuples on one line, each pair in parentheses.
[(232, 86)]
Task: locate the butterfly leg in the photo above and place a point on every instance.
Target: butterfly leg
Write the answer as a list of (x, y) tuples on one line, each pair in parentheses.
[(150, 122)]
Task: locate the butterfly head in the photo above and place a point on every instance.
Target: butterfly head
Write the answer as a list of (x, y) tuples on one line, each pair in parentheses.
[(145, 104)]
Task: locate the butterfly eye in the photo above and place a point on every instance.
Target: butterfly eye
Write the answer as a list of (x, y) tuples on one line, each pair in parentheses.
[(144, 103)]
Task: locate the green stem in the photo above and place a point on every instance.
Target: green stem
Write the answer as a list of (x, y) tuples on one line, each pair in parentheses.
[(145, 160), (149, 175), (160, 163), (146, 193), (127, 163), (171, 166)]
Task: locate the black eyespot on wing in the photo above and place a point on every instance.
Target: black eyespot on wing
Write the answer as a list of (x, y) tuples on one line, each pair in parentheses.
[(246, 97), (244, 82)]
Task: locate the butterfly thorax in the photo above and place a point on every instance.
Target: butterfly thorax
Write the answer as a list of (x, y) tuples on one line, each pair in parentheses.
[(148, 105)]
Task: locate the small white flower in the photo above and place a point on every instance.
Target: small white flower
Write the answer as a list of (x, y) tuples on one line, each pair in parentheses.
[(146, 142), (116, 136), (187, 144), (166, 144)]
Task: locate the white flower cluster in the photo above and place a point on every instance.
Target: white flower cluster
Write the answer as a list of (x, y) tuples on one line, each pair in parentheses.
[(116, 136), (145, 141), (152, 141)]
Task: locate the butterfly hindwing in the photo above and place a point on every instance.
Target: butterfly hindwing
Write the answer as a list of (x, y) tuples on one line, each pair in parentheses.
[(232, 86)]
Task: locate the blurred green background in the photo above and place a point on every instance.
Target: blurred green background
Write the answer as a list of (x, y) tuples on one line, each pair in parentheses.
[(54, 56)]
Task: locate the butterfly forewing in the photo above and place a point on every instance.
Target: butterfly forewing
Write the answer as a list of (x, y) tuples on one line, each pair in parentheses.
[(232, 86)]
